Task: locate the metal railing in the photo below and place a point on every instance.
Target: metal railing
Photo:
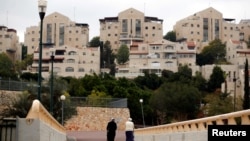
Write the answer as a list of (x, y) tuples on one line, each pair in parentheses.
[(8, 129), (10, 85), (98, 102)]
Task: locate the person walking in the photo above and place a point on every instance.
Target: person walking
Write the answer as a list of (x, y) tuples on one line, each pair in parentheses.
[(129, 130), (111, 130)]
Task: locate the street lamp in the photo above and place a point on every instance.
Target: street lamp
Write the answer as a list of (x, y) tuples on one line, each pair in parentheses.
[(51, 81), (42, 5), (234, 80), (62, 97), (141, 101)]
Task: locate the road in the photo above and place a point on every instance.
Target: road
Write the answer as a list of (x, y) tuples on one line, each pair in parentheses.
[(95, 135)]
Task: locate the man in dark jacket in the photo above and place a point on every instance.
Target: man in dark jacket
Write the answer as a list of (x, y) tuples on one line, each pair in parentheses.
[(111, 130)]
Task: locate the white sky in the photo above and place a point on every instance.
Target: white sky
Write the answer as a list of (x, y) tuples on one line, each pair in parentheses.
[(20, 14)]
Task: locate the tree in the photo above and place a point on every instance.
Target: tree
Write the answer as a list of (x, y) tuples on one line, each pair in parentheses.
[(7, 69), (171, 36), (122, 54), (108, 57), (214, 53), (216, 79), (246, 87), (176, 101), (148, 81), (217, 103), (95, 42)]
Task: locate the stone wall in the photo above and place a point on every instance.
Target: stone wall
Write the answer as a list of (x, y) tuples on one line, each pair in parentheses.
[(6, 98), (96, 119)]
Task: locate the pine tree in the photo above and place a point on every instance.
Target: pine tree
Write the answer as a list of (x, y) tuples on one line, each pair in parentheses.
[(246, 87)]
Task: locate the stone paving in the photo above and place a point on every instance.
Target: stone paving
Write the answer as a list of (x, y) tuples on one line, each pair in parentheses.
[(94, 135)]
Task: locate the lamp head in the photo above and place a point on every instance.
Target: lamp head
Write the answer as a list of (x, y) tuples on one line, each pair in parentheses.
[(42, 5), (52, 51), (141, 100), (62, 97)]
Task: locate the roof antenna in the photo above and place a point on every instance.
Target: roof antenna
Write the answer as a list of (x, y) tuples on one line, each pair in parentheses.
[(144, 8), (7, 19)]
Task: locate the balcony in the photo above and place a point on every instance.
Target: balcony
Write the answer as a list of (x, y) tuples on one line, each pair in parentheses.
[(124, 37)]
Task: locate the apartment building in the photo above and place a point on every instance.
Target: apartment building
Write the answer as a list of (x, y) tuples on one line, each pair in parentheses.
[(207, 25), (9, 43), (130, 26), (68, 61), (244, 27), (157, 56), (58, 30), (69, 40), (237, 52)]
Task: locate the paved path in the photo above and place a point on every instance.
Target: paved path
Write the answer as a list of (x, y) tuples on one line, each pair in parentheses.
[(95, 135)]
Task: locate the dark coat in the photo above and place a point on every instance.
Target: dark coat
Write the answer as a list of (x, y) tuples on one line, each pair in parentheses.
[(111, 130)]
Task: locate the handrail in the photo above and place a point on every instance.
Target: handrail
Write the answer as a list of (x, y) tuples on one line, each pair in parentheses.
[(37, 111), (198, 124)]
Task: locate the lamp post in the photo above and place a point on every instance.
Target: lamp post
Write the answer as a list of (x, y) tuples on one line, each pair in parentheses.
[(51, 81), (234, 80), (42, 5), (62, 97), (141, 101)]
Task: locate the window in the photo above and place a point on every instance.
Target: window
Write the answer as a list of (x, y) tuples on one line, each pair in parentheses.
[(70, 61), (81, 70), (69, 69), (49, 33), (138, 27), (124, 25), (72, 53)]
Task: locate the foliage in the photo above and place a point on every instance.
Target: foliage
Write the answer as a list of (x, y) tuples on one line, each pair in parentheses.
[(177, 100), (171, 36), (214, 53), (20, 106), (218, 104), (216, 79), (95, 42), (7, 69), (23, 64), (148, 81), (122, 54), (246, 87), (29, 76), (97, 98), (184, 75), (109, 58)]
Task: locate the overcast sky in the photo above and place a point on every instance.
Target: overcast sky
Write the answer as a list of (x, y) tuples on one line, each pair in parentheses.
[(20, 14)]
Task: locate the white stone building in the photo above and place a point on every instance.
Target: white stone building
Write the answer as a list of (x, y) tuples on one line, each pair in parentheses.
[(129, 26), (58, 30), (157, 56), (209, 24), (9, 43), (68, 61)]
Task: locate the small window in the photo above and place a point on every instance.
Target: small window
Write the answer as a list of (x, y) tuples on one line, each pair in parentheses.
[(69, 69)]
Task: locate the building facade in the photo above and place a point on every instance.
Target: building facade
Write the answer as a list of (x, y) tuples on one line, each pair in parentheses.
[(9, 43), (58, 30), (130, 26), (209, 24), (68, 61), (157, 56)]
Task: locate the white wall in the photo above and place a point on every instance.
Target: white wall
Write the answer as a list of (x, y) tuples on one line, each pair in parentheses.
[(37, 130)]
